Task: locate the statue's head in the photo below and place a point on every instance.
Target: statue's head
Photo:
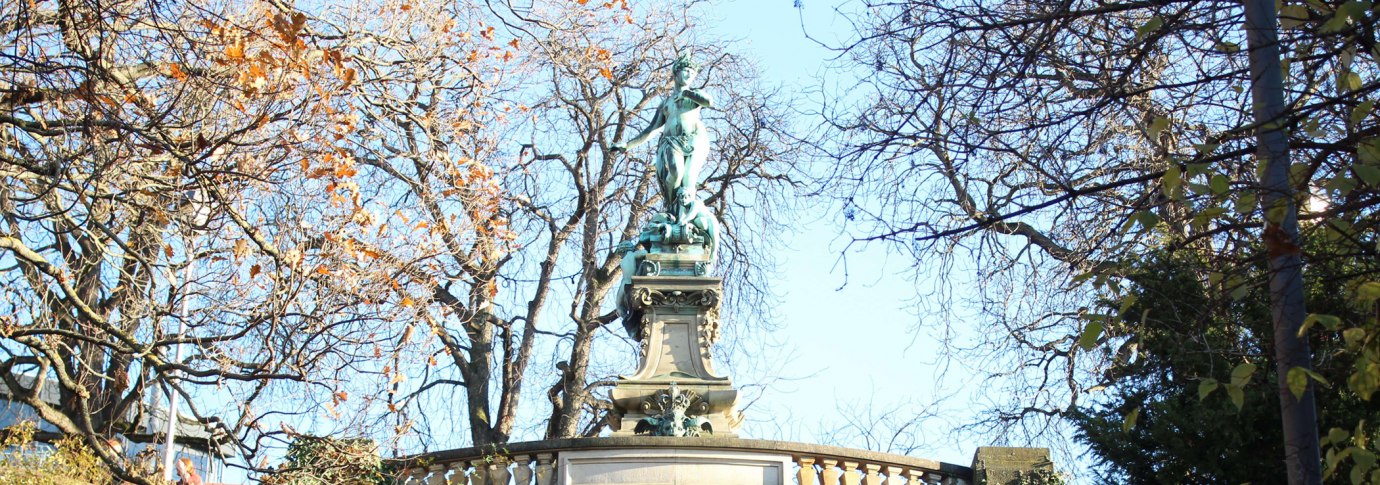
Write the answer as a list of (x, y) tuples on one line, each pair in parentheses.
[(685, 68)]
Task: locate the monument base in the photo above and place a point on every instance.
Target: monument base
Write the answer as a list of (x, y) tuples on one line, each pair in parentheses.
[(674, 311), (672, 466)]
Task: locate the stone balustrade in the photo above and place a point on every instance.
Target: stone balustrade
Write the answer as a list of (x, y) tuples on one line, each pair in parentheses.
[(538, 462)]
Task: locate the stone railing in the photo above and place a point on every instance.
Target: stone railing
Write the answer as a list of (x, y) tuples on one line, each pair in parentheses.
[(538, 462)]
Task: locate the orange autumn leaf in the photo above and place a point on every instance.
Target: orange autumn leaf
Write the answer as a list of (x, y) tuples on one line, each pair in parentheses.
[(235, 52), (348, 77), (175, 70)]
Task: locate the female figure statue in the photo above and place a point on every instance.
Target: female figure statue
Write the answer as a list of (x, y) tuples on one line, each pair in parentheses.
[(684, 144)]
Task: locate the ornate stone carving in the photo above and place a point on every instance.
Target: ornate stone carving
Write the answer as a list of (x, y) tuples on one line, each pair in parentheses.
[(672, 412), (646, 297), (709, 330), (648, 268), (702, 268)]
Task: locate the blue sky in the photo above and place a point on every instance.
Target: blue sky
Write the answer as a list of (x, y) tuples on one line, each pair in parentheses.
[(850, 338)]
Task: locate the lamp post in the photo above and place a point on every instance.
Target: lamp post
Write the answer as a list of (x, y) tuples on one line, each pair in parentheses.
[(198, 201)]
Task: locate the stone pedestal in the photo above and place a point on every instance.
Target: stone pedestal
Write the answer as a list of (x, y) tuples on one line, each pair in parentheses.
[(1000, 465), (676, 316)]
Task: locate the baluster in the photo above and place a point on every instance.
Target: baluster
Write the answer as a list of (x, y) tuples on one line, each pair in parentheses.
[(417, 476), (437, 475), (806, 475), (915, 477), (499, 474), (522, 470), (893, 476), (872, 477), (850, 473), (479, 472), (831, 474), (462, 474), (546, 472)]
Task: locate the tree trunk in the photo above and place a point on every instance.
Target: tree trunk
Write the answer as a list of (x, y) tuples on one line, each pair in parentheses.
[(1298, 416)]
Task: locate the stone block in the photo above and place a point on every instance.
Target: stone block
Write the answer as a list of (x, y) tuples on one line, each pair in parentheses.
[(671, 466), (1001, 465)]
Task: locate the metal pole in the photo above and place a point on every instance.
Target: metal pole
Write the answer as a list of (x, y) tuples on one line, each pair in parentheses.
[(170, 432)]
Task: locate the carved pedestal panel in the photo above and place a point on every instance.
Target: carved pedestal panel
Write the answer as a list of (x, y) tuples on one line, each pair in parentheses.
[(677, 320)]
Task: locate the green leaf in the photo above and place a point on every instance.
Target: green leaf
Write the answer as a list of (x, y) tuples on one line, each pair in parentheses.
[(1081, 278), (1338, 435), (1368, 151), (1329, 321), (1173, 181), (1206, 387), (1358, 435), (1292, 16), (1347, 55), (1219, 184), (1342, 183), (1149, 27), (1348, 81), (1368, 174), (1239, 291), (1157, 126), (1368, 292), (1147, 219), (1277, 209), (1126, 303), (1365, 460), (1299, 173), (1227, 47), (1211, 212), (1130, 421), (1214, 278), (1091, 332), (1242, 374), (1316, 377), (1312, 127), (1205, 149), (1338, 230), (1338, 21), (1238, 397), (1245, 203), (1298, 382), (1197, 189), (1354, 337), (1361, 111)]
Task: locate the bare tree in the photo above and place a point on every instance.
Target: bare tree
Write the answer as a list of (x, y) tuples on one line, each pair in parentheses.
[(515, 291), (164, 166), (1052, 144)]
